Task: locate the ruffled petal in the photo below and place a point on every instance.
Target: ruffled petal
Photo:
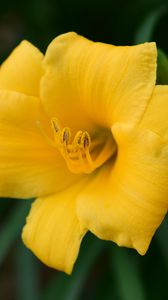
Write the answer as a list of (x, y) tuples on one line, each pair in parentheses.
[(22, 70), (100, 82), (53, 231), (128, 198), (155, 117), (29, 167)]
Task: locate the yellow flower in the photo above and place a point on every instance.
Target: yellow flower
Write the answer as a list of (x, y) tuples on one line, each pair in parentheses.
[(85, 130)]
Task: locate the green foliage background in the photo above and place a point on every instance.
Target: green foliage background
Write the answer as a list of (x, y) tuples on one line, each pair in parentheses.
[(103, 271)]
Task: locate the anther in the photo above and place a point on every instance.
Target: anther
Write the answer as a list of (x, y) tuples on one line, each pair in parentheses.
[(85, 140), (55, 125), (77, 139), (66, 135)]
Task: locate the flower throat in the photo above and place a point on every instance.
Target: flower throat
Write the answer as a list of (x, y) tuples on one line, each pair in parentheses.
[(80, 153)]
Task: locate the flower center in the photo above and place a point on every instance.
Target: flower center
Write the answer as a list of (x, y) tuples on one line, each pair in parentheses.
[(81, 154)]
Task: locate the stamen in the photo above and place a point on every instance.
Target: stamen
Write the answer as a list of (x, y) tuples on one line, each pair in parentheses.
[(66, 135), (86, 140), (77, 153), (77, 141), (55, 125)]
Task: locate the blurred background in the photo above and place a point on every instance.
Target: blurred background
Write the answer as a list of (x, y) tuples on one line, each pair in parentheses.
[(103, 271)]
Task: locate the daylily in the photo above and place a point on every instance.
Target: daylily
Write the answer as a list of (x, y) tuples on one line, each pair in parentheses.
[(84, 129)]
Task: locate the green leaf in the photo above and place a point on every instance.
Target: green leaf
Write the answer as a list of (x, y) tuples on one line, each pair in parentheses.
[(125, 267), (66, 287), (12, 227), (5, 204), (162, 68), (162, 237), (146, 29), (26, 274)]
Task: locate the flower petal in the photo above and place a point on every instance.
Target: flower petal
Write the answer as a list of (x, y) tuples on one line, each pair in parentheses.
[(22, 70), (128, 200), (53, 231), (155, 117), (29, 167), (104, 82)]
